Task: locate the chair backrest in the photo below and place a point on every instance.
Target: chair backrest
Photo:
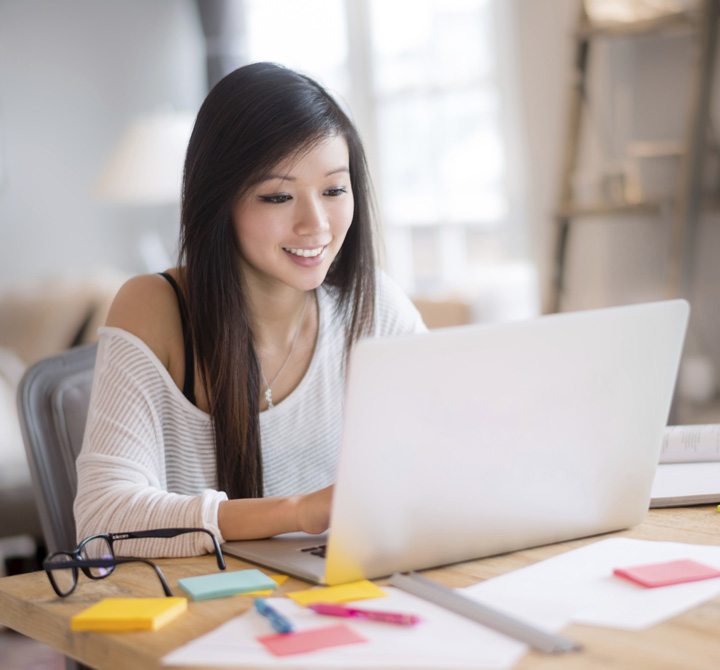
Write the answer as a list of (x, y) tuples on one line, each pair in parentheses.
[(53, 401)]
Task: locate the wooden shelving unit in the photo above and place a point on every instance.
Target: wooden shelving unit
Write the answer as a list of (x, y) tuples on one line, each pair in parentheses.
[(687, 199)]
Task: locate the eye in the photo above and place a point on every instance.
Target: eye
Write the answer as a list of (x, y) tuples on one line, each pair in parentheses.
[(335, 191), (276, 199)]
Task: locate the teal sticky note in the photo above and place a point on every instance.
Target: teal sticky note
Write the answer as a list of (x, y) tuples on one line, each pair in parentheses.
[(226, 584)]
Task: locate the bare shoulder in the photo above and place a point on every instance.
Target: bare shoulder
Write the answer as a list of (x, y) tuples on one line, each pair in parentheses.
[(147, 307)]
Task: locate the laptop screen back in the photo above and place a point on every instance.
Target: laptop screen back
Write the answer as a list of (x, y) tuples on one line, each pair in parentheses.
[(478, 440)]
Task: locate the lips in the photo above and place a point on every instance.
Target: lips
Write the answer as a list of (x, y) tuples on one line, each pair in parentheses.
[(309, 257), (305, 253)]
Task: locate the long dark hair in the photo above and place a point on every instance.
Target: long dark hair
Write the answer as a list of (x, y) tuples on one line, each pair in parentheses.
[(251, 120)]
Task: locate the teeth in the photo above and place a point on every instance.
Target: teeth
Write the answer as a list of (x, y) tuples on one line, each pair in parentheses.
[(305, 253)]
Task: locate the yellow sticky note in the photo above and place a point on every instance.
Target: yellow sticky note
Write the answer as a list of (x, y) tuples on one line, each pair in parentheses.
[(119, 614), (338, 594), (278, 579)]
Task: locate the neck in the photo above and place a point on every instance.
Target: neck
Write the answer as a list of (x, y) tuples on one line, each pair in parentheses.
[(276, 318)]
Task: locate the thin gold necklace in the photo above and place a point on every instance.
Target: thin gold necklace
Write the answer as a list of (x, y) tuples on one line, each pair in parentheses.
[(268, 389)]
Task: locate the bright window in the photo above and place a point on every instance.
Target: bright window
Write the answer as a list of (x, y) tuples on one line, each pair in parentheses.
[(434, 80), (421, 78)]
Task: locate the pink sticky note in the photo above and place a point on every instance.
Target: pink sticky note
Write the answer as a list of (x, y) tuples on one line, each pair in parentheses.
[(667, 573), (285, 644)]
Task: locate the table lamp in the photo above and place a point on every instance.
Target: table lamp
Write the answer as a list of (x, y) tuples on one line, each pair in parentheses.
[(145, 169)]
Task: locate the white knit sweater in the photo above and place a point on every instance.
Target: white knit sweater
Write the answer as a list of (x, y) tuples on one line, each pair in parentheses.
[(148, 457)]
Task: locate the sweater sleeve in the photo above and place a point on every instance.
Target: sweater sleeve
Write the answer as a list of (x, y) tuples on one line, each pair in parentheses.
[(395, 313), (122, 481)]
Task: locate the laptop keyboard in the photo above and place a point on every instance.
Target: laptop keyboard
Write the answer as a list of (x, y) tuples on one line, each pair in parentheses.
[(318, 550)]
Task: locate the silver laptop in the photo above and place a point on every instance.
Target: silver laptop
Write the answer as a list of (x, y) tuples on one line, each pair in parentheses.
[(478, 440)]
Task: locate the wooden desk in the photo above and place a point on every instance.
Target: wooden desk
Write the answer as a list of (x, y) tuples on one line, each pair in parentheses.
[(689, 641)]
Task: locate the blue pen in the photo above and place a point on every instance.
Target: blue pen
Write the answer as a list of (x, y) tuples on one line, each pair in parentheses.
[(277, 620)]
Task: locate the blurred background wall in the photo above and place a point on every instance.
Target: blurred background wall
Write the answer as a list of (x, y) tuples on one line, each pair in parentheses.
[(73, 75)]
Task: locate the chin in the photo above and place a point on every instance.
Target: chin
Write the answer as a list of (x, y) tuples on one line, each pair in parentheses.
[(310, 284), (309, 279)]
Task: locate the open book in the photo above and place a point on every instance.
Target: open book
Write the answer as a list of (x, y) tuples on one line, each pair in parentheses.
[(689, 468)]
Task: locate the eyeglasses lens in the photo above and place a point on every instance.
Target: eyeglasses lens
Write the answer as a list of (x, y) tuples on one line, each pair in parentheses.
[(64, 579), (96, 548)]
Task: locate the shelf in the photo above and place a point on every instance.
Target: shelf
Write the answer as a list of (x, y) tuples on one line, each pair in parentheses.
[(683, 20), (710, 201), (603, 209)]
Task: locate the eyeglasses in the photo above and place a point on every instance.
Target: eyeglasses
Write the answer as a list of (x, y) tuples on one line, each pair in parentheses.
[(62, 570), (96, 558)]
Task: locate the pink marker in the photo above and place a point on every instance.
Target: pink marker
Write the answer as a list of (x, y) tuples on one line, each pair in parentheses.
[(331, 609)]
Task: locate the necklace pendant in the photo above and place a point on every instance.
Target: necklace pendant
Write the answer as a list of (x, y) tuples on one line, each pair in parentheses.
[(268, 392)]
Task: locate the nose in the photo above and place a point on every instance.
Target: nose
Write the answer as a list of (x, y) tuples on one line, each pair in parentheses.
[(311, 217)]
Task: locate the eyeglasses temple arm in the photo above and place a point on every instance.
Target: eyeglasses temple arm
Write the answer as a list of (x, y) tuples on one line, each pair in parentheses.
[(166, 587), (218, 554), (171, 532), (160, 532)]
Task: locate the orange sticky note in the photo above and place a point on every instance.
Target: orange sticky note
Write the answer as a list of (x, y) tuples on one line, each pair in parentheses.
[(285, 644), (338, 594), (278, 579)]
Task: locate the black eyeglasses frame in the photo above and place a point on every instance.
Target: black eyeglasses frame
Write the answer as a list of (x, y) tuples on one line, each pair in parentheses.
[(78, 562)]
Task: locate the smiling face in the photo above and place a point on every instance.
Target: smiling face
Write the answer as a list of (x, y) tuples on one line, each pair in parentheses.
[(290, 226)]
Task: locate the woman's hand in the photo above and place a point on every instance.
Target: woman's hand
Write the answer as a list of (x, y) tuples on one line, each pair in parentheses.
[(313, 511)]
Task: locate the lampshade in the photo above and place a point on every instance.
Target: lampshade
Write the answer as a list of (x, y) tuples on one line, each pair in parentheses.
[(146, 166)]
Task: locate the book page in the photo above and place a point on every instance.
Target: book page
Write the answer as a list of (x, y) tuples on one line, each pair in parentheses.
[(678, 484), (691, 444)]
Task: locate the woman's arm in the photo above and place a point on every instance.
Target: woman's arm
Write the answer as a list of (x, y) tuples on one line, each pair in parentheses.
[(262, 517), (122, 466)]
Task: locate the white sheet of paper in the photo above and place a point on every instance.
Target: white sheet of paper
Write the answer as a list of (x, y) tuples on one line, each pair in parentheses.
[(442, 640), (580, 586)]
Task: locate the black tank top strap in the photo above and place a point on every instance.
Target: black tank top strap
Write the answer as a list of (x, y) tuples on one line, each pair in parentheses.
[(189, 383)]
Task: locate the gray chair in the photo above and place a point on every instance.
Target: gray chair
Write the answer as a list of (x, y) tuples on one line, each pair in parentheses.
[(53, 400)]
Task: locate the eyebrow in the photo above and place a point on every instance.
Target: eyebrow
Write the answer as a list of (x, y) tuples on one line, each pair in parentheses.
[(285, 177)]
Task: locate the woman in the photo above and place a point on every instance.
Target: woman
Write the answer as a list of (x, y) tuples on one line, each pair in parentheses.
[(218, 388)]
